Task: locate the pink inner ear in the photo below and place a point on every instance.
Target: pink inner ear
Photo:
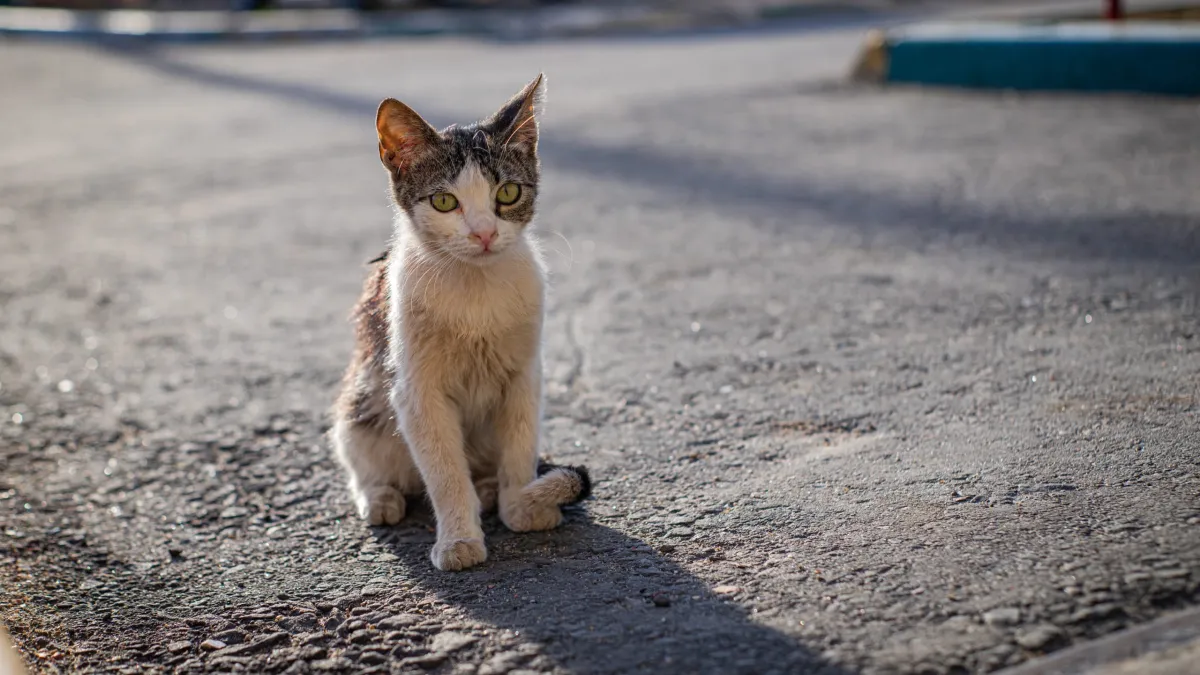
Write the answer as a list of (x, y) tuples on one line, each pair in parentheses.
[(405, 149), (525, 131), (403, 135)]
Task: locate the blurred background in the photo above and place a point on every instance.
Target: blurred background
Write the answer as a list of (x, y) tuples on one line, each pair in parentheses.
[(877, 322), (362, 4)]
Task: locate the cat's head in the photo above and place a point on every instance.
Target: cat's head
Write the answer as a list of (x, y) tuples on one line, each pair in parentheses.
[(468, 191)]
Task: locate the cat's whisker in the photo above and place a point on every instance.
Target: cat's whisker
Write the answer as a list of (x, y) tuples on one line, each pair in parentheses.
[(433, 272), (570, 249), (445, 263), (427, 262)]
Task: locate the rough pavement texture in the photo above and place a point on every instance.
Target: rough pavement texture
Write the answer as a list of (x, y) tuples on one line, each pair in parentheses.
[(871, 381)]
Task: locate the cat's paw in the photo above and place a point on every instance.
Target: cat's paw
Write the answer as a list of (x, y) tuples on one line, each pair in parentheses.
[(521, 517), (452, 555), (382, 506)]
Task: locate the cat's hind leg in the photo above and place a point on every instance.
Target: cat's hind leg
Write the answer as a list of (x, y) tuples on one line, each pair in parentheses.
[(379, 466), (371, 457), (488, 490)]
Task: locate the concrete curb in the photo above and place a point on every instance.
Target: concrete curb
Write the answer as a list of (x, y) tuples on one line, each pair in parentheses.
[(1167, 646), (1144, 57), (348, 23)]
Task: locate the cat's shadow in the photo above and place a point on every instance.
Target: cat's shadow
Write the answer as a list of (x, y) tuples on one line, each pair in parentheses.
[(600, 601)]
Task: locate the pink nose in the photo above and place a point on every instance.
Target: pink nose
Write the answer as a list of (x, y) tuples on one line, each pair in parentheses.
[(485, 238)]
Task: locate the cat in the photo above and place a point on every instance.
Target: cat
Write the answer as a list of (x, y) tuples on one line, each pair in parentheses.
[(443, 395)]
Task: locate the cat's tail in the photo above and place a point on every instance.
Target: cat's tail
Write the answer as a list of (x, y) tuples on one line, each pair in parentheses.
[(558, 485)]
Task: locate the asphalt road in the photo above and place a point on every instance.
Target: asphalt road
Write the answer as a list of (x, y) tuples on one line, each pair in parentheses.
[(871, 381)]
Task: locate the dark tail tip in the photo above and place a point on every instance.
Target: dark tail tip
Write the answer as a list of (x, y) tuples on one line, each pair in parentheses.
[(581, 472), (585, 482)]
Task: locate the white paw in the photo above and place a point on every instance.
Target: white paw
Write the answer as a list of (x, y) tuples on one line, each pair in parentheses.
[(451, 555), (527, 518), (382, 506)]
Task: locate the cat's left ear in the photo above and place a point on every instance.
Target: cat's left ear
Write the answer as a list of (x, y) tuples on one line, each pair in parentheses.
[(515, 125), (403, 136)]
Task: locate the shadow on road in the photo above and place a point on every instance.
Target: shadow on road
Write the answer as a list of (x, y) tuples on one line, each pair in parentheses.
[(910, 219), (587, 594)]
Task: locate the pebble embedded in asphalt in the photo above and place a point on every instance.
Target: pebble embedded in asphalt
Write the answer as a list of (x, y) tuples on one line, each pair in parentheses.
[(1003, 616)]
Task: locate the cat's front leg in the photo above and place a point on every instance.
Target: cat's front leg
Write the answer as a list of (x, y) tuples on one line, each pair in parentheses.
[(518, 425), (433, 429)]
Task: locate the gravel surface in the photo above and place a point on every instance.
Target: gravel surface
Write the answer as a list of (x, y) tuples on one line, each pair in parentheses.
[(870, 381)]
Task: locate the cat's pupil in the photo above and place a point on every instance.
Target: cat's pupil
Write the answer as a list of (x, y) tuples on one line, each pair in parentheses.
[(508, 193)]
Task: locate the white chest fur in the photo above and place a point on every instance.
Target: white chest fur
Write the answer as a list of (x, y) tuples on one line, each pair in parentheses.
[(467, 329)]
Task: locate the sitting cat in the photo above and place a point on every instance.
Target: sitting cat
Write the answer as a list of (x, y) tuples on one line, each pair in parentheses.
[(444, 392)]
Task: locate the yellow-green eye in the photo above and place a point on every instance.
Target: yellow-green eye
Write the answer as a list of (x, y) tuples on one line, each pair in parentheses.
[(508, 193), (444, 202)]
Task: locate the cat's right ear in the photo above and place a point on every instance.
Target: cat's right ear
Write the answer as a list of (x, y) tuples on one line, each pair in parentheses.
[(403, 136)]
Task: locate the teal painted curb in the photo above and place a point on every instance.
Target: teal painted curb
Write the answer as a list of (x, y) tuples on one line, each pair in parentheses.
[(1149, 58)]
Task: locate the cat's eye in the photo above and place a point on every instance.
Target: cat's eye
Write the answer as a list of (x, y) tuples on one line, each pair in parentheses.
[(508, 193), (444, 202)]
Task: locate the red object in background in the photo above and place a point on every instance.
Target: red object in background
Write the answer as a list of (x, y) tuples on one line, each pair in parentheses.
[(1114, 10)]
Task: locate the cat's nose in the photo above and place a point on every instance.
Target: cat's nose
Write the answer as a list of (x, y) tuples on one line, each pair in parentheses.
[(485, 238)]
